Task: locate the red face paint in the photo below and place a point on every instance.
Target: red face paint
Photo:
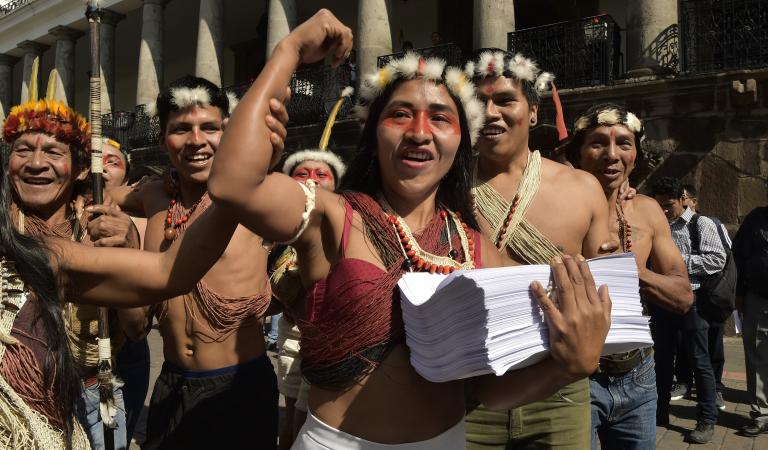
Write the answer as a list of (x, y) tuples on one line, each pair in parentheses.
[(113, 161), (320, 175), (420, 121)]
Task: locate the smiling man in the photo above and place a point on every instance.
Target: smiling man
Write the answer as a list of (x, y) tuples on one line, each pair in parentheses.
[(606, 143), (47, 163), (213, 344), (533, 209)]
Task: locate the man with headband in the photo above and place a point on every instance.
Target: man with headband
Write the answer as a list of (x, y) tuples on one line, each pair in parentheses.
[(213, 344), (606, 142), (521, 206), (47, 168)]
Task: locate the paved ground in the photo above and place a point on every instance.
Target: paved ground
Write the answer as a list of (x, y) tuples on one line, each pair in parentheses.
[(683, 412)]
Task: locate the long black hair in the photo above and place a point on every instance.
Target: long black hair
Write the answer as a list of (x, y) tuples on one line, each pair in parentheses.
[(32, 263), (454, 190)]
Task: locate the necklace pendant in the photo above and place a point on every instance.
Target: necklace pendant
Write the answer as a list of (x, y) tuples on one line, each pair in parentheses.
[(453, 254), (170, 234), (407, 264)]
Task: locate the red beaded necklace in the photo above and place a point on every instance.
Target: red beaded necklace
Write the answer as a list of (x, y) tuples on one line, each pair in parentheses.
[(503, 230), (417, 259), (172, 226), (625, 229)]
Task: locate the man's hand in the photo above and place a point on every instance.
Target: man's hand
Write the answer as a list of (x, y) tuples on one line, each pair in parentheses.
[(277, 122), (577, 329), (110, 227), (626, 192)]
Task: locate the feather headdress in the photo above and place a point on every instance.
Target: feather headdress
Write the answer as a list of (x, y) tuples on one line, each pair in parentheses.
[(412, 66), (497, 64), (322, 154)]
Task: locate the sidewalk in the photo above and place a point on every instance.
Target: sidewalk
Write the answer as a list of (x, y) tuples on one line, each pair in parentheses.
[(736, 414)]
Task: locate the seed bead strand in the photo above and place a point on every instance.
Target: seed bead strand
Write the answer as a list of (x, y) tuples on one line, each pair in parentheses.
[(171, 226), (507, 220)]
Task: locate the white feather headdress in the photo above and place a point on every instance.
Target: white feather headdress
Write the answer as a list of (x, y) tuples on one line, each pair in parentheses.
[(413, 66), (498, 64), (609, 116)]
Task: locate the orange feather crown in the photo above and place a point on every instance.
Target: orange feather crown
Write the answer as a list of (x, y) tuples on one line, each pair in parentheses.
[(50, 117)]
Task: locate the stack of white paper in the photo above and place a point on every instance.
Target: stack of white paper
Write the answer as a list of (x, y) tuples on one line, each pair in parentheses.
[(487, 321)]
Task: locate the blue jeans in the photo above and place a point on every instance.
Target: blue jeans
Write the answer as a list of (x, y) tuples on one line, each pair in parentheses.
[(133, 367), (695, 331), (624, 408), (272, 330), (87, 411)]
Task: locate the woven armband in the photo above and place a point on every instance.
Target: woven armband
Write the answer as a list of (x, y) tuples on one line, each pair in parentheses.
[(309, 191)]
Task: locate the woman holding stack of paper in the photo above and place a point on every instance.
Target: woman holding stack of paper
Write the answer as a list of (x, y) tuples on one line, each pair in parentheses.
[(405, 206)]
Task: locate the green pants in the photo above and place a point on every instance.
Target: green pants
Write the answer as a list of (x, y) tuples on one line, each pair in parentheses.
[(562, 421)]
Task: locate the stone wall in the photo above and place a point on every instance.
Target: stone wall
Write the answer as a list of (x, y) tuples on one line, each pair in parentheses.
[(709, 130)]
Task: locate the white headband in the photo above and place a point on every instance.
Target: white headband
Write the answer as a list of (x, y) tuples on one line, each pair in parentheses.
[(491, 64), (413, 66), (609, 117)]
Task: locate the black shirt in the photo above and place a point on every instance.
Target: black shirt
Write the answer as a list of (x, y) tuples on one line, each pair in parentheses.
[(750, 251)]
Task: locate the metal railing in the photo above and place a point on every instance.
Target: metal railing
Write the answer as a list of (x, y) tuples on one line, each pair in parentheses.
[(12, 6), (133, 129), (314, 91), (451, 53), (583, 52), (723, 34)]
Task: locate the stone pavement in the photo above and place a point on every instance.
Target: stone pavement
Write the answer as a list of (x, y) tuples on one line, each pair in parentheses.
[(736, 414), (682, 418)]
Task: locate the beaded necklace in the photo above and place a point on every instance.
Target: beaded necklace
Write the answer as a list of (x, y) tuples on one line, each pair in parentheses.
[(625, 229), (181, 217), (420, 260)]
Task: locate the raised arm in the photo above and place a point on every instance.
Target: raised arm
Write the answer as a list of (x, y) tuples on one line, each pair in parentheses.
[(239, 182), (123, 277), (577, 332), (665, 283)]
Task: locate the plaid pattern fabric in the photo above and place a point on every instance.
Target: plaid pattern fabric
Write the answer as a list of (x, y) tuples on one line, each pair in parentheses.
[(711, 258)]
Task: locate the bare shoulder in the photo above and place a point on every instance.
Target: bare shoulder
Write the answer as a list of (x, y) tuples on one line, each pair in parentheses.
[(154, 196), (562, 174), (648, 210), (650, 206)]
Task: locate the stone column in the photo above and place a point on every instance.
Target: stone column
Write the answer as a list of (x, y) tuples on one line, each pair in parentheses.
[(32, 50), (374, 34), (109, 20), (6, 84), (280, 21), (210, 37), (648, 32), (150, 76), (64, 63), (493, 19)]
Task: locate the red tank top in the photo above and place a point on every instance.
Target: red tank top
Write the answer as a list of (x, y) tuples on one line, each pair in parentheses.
[(337, 300)]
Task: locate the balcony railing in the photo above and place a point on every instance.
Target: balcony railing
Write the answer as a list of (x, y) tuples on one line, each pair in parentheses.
[(583, 52), (314, 91), (132, 129), (723, 34), (451, 53), (12, 6)]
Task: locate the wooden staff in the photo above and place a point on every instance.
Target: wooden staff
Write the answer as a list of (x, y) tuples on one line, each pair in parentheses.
[(107, 407)]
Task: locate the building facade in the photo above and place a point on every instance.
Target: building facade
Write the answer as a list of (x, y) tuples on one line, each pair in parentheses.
[(694, 70)]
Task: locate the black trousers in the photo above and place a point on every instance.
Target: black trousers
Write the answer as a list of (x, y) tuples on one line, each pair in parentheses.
[(683, 372), (665, 327), (235, 410)]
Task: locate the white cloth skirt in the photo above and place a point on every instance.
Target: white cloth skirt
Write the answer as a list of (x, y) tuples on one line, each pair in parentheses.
[(316, 435)]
